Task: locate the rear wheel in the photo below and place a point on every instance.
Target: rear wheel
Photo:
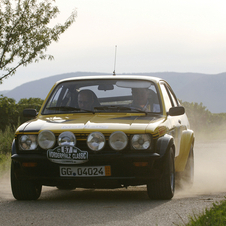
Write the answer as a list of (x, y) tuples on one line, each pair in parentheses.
[(164, 188), (24, 189)]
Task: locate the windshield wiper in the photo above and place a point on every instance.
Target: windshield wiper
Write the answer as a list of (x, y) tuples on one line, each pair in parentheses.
[(67, 108), (118, 108)]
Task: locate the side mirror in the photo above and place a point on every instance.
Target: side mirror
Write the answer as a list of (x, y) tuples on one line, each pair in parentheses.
[(174, 111), (30, 113)]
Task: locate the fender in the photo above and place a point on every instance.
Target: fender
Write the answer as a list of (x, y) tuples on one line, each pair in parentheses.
[(163, 144), (187, 140), (13, 147)]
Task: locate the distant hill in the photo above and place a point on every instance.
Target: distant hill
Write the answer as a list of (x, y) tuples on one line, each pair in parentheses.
[(191, 87), (4, 92), (41, 87)]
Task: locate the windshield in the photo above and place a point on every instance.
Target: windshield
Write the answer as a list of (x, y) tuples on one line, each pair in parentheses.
[(103, 96)]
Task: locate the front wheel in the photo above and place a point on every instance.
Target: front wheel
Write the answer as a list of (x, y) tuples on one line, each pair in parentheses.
[(164, 187), (185, 179), (24, 189)]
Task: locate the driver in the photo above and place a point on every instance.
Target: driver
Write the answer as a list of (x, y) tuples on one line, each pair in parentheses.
[(140, 99), (86, 99)]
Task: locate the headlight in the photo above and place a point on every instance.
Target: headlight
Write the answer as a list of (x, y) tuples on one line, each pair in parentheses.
[(67, 138), (28, 142), (96, 141), (141, 141), (46, 139), (118, 140)]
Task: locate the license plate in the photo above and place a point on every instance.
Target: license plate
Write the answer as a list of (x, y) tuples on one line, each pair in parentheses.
[(85, 171)]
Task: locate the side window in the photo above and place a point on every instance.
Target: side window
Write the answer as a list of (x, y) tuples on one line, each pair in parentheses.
[(166, 97), (173, 98)]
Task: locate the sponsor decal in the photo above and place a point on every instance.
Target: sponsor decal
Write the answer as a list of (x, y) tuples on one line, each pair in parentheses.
[(67, 154), (161, 130)]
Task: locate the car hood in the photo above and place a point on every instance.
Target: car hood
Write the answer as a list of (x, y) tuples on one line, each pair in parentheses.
[(82, 123)]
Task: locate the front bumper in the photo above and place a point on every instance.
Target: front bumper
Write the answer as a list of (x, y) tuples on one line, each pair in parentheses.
[(126, 170)]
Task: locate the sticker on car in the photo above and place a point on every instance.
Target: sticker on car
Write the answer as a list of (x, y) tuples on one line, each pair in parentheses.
[(67, 154)]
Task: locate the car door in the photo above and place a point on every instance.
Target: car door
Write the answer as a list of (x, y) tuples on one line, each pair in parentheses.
[(175, 122)]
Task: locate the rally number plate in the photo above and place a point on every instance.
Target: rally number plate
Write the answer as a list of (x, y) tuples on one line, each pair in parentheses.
[(85, 171)]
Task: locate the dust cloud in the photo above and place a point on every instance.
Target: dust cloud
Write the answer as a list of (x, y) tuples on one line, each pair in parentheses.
[(210, 168)]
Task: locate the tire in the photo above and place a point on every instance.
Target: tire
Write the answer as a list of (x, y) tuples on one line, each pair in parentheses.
[(185, 179), (164, 187), (24, 189)]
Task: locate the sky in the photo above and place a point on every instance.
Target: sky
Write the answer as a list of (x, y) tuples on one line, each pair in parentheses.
[(150, 35)]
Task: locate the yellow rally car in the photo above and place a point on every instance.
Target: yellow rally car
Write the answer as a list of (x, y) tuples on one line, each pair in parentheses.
[(104, 132)]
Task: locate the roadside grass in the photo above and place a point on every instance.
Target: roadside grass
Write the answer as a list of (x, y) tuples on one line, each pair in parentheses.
[(6, 139), (5, 161), (215, 216)]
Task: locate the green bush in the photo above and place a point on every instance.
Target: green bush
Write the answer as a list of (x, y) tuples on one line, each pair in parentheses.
[(8, 111), (4, 163), (12, 112), (205, 124), (6, 139)]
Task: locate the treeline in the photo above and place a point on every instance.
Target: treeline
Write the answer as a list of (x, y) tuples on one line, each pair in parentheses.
[(203, 122), (11, 113)]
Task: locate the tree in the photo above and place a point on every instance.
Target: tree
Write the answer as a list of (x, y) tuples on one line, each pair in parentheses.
[(12, 113), (199, 116), (25, 34), (9, 113)]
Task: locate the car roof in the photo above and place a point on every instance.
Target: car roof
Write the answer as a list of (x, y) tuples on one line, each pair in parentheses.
[(136, 77)]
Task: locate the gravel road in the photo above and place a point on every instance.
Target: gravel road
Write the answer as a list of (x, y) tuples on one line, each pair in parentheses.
[(122, 206)]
